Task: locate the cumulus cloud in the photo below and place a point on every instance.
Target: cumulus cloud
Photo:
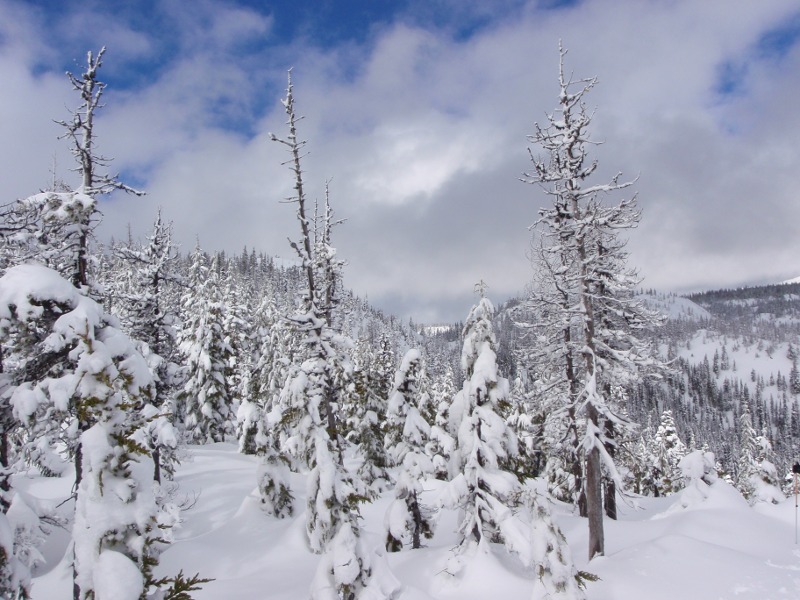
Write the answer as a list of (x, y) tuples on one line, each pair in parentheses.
[(420, 119)]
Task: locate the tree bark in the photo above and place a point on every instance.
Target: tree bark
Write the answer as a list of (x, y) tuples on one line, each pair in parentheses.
[(610, 499), (610, 488), (157, 464), (417, 516), (594, 504)]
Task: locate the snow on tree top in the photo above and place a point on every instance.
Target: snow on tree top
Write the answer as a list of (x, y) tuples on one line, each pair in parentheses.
[(26, 286)]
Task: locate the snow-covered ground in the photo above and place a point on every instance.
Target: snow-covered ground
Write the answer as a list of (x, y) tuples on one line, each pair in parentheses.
[(675, 307), (719, 548)]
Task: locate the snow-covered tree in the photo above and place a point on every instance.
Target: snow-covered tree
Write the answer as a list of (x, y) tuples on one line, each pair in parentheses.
[(699, 472), (481, 489), (794, 372), (639, 460), (586, 311), (79, 130), (237, 326), (145, 307), (276, 349), (82, 370), (756, 476), (442, 440), (556, 577), (21, 535), (257, 399), (527, 421), (367, 415), (309, 400), (408, 520), (406, 392), (204, 403), (54, 227), (667, 450)]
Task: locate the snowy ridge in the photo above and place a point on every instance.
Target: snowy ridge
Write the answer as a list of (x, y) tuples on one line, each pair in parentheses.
[(676, 307)]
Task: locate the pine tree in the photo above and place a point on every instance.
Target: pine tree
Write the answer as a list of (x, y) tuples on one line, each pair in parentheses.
[(640, 462), (149, 321), (556, 576), (367, 417), (756, 476), (794, 373), (667, 452), (481, 489), (311, 396), (204, 403), (80, 132), (442, 440), (584, 299), (76, 374), (81, 364), (275, 424), (236, 325), (257, 398), (407, 519)]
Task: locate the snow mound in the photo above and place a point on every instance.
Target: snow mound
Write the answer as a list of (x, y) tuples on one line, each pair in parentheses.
[(718, 547)]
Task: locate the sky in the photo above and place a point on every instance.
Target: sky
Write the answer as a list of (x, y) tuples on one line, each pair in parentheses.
[(418, 114)]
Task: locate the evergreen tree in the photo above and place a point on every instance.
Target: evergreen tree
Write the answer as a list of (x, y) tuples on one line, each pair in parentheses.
[(481, 489), (79, 130), (641, 463), (442, 440), (584, 298), (257, 398), (556, 576), (82, 365), (310, 399), (756, 476), (407, 519), (149, 320), (204, 403), (667, 452), (368, 415), (794, 373)]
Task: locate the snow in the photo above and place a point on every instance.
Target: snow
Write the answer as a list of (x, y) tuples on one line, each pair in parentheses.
[(718, 548), (116, 577), (676, 307)]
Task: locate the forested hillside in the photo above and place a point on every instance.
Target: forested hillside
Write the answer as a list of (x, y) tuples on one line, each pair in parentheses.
[(725, 353)]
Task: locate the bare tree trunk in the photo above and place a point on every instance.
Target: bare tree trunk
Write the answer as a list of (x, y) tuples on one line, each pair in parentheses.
[(76, 589), (610, 496), (594, 504), (577, 465), (79, 463), (157, 464), (417, 516), (594, 496), (5, 484), (574, 441)]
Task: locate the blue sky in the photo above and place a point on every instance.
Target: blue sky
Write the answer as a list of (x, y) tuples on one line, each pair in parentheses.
[(419, 112)]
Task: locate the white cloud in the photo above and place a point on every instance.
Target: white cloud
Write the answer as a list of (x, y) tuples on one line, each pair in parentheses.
[(424, 136)]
